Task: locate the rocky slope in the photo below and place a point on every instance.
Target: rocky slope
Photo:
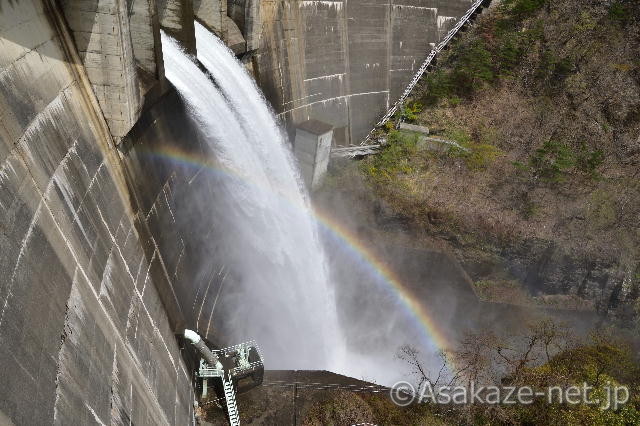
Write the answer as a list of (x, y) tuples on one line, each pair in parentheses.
[(542, 205)]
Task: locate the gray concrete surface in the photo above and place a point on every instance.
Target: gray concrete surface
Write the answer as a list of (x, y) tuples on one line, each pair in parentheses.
[(84, 335), (343, 62), (312, 148), (234, 38), (212, 14), (102, 36), (167, 171), (176, 18), (145, 27), (247, 15), (414, 128)]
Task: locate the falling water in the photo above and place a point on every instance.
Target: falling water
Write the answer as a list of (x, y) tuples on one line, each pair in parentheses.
[(281, 294)]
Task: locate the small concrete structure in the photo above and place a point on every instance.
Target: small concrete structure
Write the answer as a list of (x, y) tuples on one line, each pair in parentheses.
[(426, 143), (414, 128), (312, 148), (438, 145), (355, 151)]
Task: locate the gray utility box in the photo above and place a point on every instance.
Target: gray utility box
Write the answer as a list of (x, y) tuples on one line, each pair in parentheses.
[(312, 148)]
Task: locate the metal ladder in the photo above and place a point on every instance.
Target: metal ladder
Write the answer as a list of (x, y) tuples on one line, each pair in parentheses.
[(230, 397)]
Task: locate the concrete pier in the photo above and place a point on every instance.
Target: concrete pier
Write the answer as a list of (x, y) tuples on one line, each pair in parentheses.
[(312, 148)]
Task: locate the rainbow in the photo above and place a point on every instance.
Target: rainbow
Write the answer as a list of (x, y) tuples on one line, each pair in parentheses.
[(383, 274)]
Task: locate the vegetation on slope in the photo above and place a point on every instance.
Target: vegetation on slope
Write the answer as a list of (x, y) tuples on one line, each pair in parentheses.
[(539, 359), (542, 359), (544, 98)]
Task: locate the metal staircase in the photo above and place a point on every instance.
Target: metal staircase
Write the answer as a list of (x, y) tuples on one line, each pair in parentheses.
[(230, 398), (238, 367)]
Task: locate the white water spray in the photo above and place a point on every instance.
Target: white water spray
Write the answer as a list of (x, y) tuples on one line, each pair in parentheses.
[(281, 294)]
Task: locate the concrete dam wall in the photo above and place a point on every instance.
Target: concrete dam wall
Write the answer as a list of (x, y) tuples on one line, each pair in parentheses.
[(345, 62), (101, 264), (84, 335)]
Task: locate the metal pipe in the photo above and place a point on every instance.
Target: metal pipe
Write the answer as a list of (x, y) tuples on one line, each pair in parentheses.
[(199, 344)]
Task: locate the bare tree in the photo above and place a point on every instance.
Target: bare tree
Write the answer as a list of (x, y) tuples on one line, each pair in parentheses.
[(553, 337), (484, 357), (445, 374), (411, 355)]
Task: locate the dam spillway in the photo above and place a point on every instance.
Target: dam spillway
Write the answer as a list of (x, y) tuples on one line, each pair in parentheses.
[(279, 278), (101, 258)]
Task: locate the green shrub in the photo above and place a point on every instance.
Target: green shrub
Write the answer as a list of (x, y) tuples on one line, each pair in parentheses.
[(552, 161), (458, 135), (521, 166), (589, 161), (410, 111), (553, 70), (395, 158), (439, 85), (510, 53), (481, 61), (619, 11), (474, 68), (481, 156), (529, 208), (521, 9), (454, 101), (512, 45), (585, 23), (477, 156)]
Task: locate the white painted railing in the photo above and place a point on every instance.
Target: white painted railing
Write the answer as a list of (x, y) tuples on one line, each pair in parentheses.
[(230, 398)]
